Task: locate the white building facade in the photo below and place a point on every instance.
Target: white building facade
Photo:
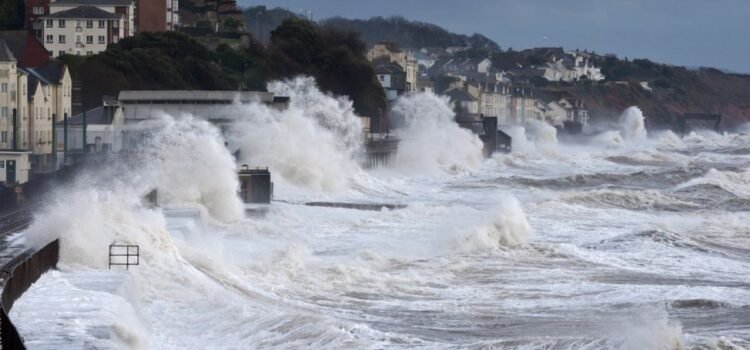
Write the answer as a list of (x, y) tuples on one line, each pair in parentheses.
[(83, 30)]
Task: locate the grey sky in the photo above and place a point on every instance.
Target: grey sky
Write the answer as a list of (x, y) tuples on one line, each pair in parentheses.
[(686, 32)]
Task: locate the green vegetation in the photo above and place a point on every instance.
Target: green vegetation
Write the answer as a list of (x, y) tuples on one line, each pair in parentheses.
[(175, 61), (336, 59), (11, 14), (408, 33)]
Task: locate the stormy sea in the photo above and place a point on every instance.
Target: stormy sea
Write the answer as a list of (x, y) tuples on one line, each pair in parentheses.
[(623, 239)]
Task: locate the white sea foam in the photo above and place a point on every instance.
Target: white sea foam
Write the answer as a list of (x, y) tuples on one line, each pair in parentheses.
[(738, 183), (432, 142), (633, 124), (508, 228)]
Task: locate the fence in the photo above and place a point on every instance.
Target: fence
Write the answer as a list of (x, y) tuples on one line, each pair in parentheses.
[(18, 275)]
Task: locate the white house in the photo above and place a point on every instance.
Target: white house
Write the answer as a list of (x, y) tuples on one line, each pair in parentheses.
[(126, 8), (83, 30)]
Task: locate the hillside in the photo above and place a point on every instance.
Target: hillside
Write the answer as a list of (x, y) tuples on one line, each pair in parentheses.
[(175, 61), (408, 33)]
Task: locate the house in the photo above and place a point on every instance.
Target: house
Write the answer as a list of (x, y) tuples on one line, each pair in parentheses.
[(462, 66), (97, 130), (463, 101), (566, 109), (28, 51), (495, 100), (403, 58), (125, 8), (37, 93), (50, 93), (81, 30), (14, 161), (424, 59), (392, 78), (524, 106)]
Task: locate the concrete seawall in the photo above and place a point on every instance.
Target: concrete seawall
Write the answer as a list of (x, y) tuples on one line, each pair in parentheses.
[(17, 276)]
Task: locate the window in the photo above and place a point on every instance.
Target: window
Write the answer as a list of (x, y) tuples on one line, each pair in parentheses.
[(115, 39), (4, 88), (102, 24), (61, 23), (61, 39), (4, 136), (60, 53), (4, 112), (101, 39), (2, 164), (50, 39), (115, 24), (78, 52), (38, 10), (89, 24), (49, 23), (78, 38), (89, 39), (89, 53)]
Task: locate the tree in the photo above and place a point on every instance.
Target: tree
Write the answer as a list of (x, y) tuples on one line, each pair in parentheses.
[(336, 60), (11, 14)]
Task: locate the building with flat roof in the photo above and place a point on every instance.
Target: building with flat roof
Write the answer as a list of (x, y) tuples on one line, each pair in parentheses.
[(144, 105)]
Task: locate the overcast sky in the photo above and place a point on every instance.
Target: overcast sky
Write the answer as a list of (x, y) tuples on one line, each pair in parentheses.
[(686, 32)]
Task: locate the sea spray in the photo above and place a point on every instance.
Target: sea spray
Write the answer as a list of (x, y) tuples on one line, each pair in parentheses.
[(519, 143), (193, 165), (314, 143), (544, 135), (183, 158), (431, 141), (508, 228), (633, 124)]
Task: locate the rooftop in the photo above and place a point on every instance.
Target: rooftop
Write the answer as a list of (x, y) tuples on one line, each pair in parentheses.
[(5, 53), (197, 95), (84, 12), (93, 2), (102, 115)]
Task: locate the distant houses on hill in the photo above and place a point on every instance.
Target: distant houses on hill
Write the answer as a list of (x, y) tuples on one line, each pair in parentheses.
[(477, 88)]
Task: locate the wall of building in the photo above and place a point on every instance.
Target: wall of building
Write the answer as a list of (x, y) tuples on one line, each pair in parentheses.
[(151, 16), (22, 166), (76, 34)]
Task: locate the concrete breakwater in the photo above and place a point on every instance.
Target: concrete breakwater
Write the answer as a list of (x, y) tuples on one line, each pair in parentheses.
[(357, 206), (17, 276)]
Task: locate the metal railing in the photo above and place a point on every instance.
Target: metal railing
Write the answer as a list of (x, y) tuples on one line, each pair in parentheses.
[(131, 254)]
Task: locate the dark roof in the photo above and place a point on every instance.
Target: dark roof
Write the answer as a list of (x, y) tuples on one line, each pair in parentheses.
[(102, 115), (31, 82), (84, 12), (388, 68), (27, 50), (460, 95), (15, 40), (5, 53), (94, 2), (50, 73)]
